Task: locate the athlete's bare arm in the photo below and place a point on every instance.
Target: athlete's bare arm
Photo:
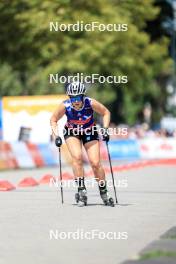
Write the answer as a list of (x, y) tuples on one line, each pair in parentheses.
[(58, 114), (103, 111)]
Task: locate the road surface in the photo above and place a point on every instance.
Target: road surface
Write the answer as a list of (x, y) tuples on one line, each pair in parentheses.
[(36, 228)]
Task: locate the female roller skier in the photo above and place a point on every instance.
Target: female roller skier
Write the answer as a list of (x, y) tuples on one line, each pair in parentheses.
[(81, 129)]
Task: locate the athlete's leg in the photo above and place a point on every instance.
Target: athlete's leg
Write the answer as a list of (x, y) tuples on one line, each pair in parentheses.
[(75, 148), (93, 153)]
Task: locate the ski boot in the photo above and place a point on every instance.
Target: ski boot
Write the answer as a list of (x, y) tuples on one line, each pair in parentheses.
[(81, 197), (107, 200)]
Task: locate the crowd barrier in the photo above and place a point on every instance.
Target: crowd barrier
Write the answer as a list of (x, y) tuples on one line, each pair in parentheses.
[(148, 148), (29, 155)]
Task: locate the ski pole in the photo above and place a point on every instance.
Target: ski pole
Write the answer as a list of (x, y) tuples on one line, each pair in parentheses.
[(60, 170), (58, 142), (112, 174)]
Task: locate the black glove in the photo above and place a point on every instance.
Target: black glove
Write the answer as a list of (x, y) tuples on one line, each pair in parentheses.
[(105, 135), (58, 141)]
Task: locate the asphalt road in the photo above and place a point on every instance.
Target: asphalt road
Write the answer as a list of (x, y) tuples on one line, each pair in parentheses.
[(36, 228)]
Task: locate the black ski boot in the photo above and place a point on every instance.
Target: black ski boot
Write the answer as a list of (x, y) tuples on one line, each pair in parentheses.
[(107, 199), (81, 197)]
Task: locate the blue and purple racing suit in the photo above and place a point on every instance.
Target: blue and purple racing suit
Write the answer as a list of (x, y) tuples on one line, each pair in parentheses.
[(81, 120)]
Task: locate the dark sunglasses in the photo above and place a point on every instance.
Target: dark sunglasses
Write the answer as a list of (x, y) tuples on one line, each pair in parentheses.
[(77, 98)]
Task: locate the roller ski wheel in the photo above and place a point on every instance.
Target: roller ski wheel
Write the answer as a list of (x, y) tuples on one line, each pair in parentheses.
[(111, 202), (81, 198), (107, 200), (77, 197)]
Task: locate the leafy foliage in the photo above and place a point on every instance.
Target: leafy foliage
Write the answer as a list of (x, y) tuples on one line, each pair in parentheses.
[(30, 51)]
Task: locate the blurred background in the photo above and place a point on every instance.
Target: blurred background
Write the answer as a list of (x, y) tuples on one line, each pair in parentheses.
[(144, 107), (145, 53)]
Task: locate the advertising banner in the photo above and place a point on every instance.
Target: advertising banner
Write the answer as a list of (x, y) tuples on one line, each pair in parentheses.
[(126, 148), (148, 148), (32, 114), (155, 148)]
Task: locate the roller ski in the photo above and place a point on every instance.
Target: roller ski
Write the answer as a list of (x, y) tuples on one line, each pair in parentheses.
[(81, 197), (107, 199)]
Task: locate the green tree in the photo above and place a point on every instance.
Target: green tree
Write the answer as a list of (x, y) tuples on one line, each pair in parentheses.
[(35, 52)]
